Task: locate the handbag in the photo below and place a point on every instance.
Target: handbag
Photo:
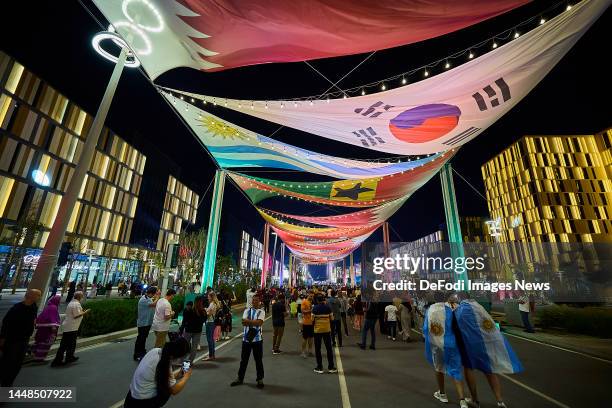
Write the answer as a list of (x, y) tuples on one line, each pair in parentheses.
[(252, 333)]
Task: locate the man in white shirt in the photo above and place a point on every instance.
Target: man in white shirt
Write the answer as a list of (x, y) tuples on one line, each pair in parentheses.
[(525, 309), (249, 297), (252, 341), (391, 319), (70, 328), (161, 318)]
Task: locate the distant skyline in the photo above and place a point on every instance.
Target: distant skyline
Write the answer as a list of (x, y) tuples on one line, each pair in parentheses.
[(572, 99)]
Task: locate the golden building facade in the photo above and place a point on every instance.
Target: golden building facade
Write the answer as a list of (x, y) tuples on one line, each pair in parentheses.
[(552, 189), (41, 138), (180, 206)]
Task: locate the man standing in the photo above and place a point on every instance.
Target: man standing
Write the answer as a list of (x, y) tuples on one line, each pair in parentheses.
[(146, 309), (307, 326), (17, 327), (161, 319), (249, 297), (70, 328), (279, 312), (336, 308), (343, 311), (524, 309), (370, 324), (323, 316), (391, 320), (252, 340)]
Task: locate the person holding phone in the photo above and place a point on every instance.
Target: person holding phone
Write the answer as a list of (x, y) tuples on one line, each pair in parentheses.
[(70, 327), (252, 320), (154, 382)]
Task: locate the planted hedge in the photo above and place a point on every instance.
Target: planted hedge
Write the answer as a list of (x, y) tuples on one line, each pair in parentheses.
[(593, 321), (110, 315)]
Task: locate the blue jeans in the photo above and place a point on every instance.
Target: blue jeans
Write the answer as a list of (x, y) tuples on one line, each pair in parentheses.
[(210, 338), (526, 322), (370, 324)]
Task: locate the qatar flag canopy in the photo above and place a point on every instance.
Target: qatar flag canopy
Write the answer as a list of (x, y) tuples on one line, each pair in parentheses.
[(222, 34), (444, 111)]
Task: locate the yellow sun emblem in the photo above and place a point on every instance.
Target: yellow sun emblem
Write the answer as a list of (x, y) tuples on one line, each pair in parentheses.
[(220, 128), (436, 329), (488, 325)]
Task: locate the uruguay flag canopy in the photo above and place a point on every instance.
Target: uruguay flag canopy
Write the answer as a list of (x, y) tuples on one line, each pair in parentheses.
[(486, 348), (440, 344)]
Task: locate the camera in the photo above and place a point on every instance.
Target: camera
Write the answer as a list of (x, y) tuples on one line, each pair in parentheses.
[(186, 365)]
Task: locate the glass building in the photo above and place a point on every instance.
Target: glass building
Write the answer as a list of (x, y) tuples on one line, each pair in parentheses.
[(552, 189), (41, 137)]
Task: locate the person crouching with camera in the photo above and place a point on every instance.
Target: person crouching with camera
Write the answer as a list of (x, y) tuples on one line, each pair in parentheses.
[(252, 320)]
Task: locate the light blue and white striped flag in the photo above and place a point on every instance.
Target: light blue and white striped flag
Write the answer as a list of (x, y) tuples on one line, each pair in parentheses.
[(440, 344)]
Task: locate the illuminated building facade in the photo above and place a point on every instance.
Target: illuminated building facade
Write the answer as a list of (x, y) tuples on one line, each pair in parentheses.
[(552, 189), (180, 206)]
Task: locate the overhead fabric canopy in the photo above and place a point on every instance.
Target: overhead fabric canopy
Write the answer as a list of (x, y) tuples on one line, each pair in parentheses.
[(221, 34), (234, 147), (365, 192), (444, 111)]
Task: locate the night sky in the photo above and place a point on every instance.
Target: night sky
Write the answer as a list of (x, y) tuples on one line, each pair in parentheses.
[(52, 38)]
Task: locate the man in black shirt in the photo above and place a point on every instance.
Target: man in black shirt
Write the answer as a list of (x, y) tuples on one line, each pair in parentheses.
[(279, 312), (17, 327)]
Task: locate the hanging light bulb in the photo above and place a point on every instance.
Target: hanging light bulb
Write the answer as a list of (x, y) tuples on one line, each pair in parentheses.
[(471, 55), (295, 104), (312, 103), (516, 34), (327, 100), (192, 101), (383, 87), (252, 107), (344, 97), (282, 105), (494, 44), (404, 81), (426, 73), (225, 104), (447, 65), (542, 21), (182, 99), (569, 7), (239, 105), (362, 92), (266, 105)]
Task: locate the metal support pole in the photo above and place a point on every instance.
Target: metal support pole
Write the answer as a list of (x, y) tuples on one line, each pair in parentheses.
[(453, 226), (273, 272), (266, 256), (212, 237), (385, 231), (48, 259), (282, 265), (351, 270)]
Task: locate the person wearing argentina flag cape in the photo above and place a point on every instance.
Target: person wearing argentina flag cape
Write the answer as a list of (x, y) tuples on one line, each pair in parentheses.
[(483, 348), (441, 348)]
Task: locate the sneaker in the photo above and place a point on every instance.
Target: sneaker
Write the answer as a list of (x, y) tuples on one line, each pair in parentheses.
[(361, 346), (463, 404), (500, 404), (389, 337), (372, 347), (393, 339), (318, 370), (332, 370), (71, 360), (304, 355), (55, 363), (275, 352), (236, 382), (260, 384), (474, 404), (440, 397)]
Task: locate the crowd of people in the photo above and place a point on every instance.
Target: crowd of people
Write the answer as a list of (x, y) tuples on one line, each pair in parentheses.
[(459, 334)]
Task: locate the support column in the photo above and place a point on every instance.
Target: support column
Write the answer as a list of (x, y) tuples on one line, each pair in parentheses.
[(266, 257), (282, 265), (212, 237), (48, 258), (385, 231), (453, 226), (344, 271), (351, 270)]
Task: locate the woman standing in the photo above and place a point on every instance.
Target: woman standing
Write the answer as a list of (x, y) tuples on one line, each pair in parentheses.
[(211, 312), (193, 320), (226, 318), (358, 305), (47, 324), (153, 382)]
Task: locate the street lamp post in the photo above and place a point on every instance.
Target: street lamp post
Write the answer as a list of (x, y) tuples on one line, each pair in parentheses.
[(48, 259)]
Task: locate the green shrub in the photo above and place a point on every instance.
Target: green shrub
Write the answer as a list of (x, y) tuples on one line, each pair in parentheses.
[(108, 315), (592, 321)]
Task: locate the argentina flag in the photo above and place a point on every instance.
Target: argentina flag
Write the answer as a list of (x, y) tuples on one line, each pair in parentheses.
[(440, 344), (485, 347)]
